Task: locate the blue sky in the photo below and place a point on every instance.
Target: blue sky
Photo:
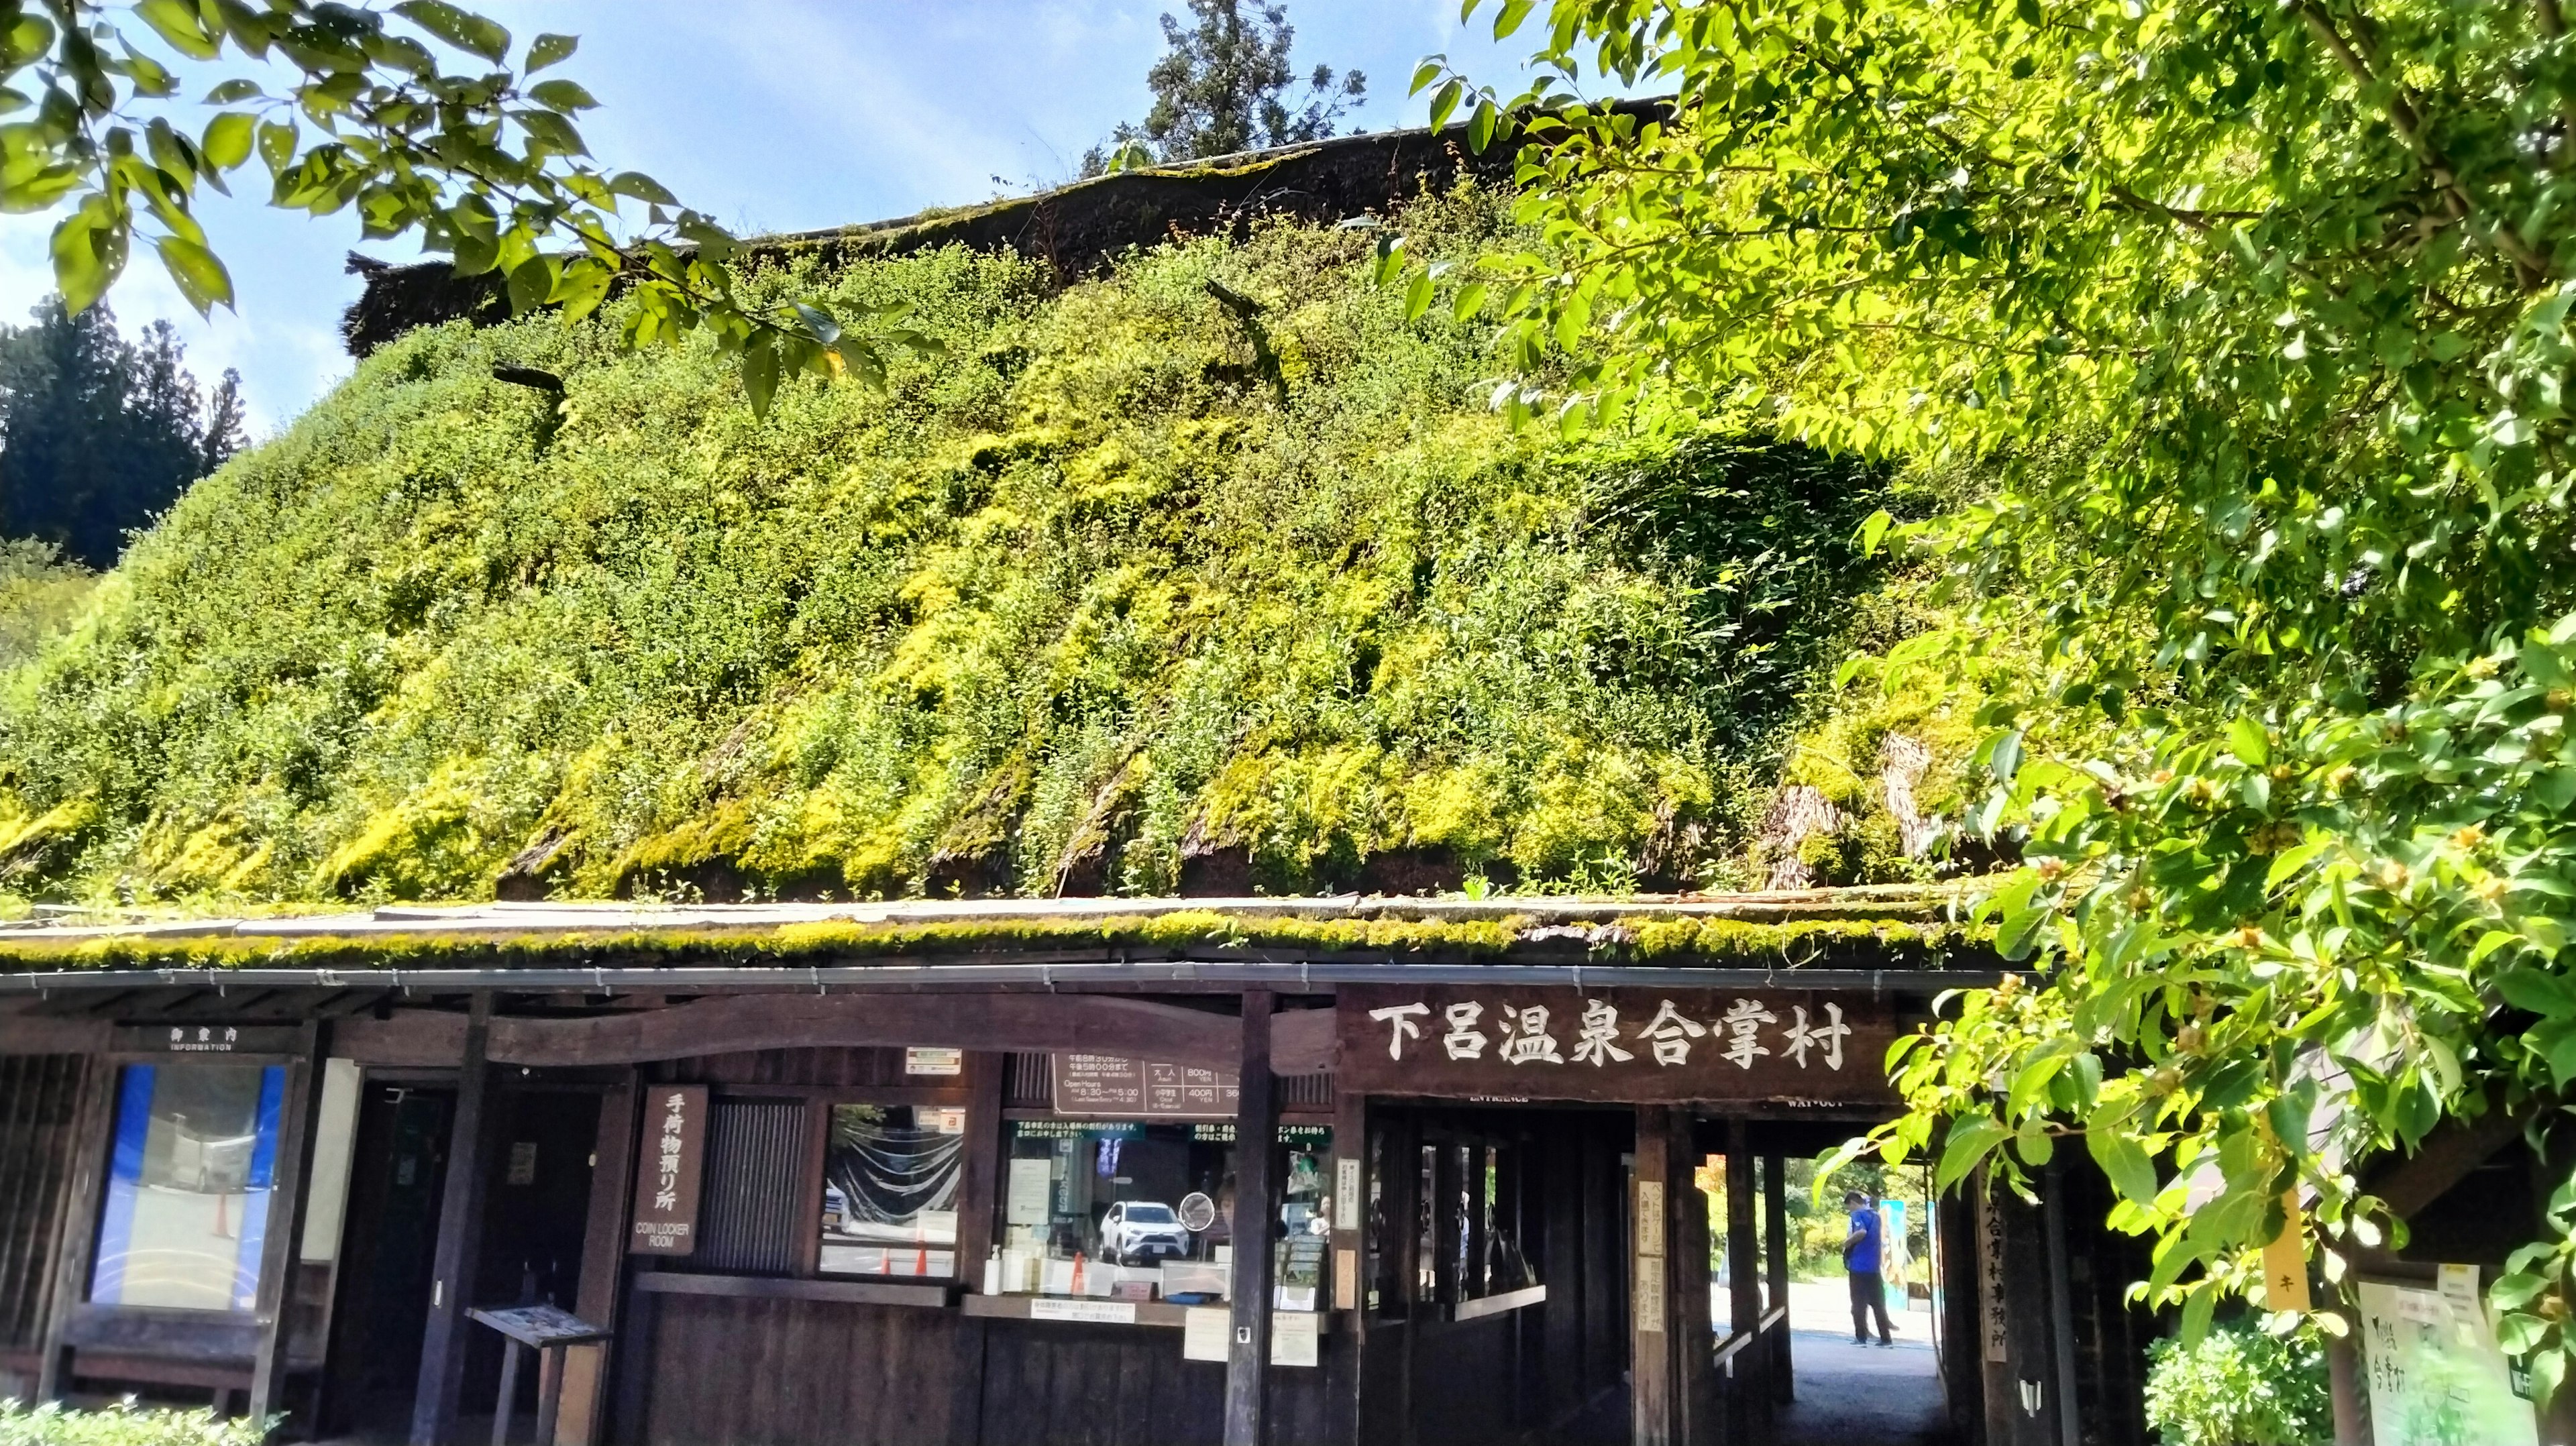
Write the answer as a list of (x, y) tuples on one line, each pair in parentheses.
[(773, 115)]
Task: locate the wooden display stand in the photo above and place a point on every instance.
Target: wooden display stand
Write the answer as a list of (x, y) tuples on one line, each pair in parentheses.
[(540, 1328)]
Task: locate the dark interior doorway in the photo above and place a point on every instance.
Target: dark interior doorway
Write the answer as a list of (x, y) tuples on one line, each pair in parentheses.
[(536, 1209), (397, 1170)]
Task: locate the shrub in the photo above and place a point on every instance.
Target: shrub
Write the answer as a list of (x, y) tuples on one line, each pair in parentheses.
[(2239, 1387), (123, 1424)]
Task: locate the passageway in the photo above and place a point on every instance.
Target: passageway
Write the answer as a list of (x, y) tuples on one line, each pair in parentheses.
[(1852, 1395)]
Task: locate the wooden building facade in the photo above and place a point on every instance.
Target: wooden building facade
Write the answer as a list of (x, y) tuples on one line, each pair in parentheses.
[(1319, 1171)]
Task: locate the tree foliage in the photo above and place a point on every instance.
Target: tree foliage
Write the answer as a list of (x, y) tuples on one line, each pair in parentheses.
[(2256, 317), (98, 435), (352, 107), (1225, 85)]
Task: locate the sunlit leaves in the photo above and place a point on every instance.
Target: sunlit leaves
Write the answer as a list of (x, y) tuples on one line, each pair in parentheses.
[(481, 167)]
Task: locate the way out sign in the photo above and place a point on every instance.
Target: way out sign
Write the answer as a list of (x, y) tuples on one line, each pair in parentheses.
[(1782, 1046), (667, 1170)]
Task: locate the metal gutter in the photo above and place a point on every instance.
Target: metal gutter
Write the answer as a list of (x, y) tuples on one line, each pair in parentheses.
[(1293, 974)]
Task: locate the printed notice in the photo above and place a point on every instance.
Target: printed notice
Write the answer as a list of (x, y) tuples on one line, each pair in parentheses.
[(1295, 1337), (1027, 1202), (1346, 1195), (1650, 1217), (1346, 1280), (917, 1060), (1204, 1332), (1096, 1312), (1650, 1293)]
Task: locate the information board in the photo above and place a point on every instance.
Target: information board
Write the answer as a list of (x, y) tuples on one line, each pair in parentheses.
[(1106, 1084), (667, 1171), (2437, 1376)]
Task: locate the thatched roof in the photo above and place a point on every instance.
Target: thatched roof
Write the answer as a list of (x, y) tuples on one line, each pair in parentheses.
[(1073, 228)]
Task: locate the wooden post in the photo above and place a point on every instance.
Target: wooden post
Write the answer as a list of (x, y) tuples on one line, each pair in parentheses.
[(78, 1229), (2345, 1391), (584, 1370), (296, 1123), (460, 1233), (1650, 1350), (979, 1188), (1696, 1408), (1350, 1264), (1256, 1206), (1775, 1229), (1749, 1404)]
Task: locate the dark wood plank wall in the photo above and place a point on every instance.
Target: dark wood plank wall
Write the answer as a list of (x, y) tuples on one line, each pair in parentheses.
[(38, 1099)]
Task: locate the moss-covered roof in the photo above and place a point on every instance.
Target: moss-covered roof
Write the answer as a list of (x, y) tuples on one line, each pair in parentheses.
[(1891, 928)]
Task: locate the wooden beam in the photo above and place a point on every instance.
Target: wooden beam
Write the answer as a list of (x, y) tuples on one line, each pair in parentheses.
[(2444, 1159), (297, 1120), (38, 1034), (1036, 1023), (78, 1228), (1302, 1041), (1256, 1207), (460, 1235)]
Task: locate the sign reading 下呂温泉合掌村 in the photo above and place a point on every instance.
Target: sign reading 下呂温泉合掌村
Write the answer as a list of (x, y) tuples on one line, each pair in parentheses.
[(666, 1174), (1639, 1045)]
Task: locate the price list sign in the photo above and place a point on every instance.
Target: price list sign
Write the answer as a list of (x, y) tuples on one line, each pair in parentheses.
[(1106, 1084)]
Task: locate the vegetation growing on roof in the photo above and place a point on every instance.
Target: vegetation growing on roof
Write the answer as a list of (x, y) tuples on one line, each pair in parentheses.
[(1880, 943), (1215, 572)]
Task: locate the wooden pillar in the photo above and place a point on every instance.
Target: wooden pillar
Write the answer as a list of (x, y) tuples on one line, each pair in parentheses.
[(1696, 1407), (1775, 1232), (2018, 1346), (460, 1232), (580, 1416), (1404, 1243), (1748, 1405), (2345, 1391), (978, 1202), (77, 1231), (1256, 1206), (1350, 1263), (299, 1116), (1650, 1336)]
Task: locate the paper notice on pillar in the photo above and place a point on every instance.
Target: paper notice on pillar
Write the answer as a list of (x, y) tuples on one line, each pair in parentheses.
[(1346, 1195), (1650, 1217), (1296, 1337), (1650, 1293), (1204, 1332)]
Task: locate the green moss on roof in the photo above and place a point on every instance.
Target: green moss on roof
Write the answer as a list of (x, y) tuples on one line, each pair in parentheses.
[(1088, 602), (1640, 940)]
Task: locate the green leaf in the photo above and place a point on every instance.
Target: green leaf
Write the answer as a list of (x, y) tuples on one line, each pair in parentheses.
[(1445, 100), (1417, 296), (1873, 529), (177, 22), (1509, 18), (2028, 11), (2548, 995), (277, 143), (2246, 739), (1971, 1138), (231, 91), (2122, 1159), (1480, 126), (561, 95), (1469, 301), (642, 187), (201, 278), (1426, 73), (461, 28), (228, 140), (89, 252), (547, 49), (760, 374)]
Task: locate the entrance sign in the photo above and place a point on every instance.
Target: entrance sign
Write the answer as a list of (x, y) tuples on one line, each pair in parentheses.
[(668, 1169), (1104, 1084), (1635, 1045)]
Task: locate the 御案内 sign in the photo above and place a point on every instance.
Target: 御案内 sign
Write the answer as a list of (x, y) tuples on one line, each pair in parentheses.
[(668, 1169), (1776, 1045)]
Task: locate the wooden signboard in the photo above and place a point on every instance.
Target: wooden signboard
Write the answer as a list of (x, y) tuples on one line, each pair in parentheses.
[(184, 1039), (1097, 1085), (1781, 1046), (667, 1170)]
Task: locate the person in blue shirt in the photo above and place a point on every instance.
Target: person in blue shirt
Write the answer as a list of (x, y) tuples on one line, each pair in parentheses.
[(1861, 1260)]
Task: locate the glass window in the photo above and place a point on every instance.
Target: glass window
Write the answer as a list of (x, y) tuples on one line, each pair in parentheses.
[(193, 1160), (890, 1176), (1140, 1211)]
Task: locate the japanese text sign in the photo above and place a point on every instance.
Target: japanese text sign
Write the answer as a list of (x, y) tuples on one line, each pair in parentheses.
[(1105, 1084), (1640, 1045), (667, 1168)]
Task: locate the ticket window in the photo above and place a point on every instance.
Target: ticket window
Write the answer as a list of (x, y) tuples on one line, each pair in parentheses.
[(1143, 1210)]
